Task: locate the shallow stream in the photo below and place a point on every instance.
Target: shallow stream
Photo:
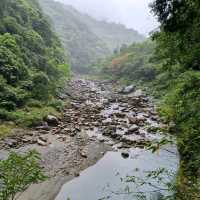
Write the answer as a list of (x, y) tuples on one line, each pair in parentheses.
[(105, 180)]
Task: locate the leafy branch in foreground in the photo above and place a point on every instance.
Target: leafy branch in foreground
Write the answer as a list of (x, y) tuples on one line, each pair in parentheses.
[(18, 172), (156, 184), (156, 146)]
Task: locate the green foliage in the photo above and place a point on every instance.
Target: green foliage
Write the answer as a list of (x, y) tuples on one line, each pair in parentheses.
[(40, 86), (180, 22), (32, 61), (178, 82), (182, 105), (18, 172), (31, 116), (132, 63), (34, 41), (6, 129)]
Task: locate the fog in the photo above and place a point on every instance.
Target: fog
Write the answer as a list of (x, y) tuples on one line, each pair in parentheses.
[(132, 13)]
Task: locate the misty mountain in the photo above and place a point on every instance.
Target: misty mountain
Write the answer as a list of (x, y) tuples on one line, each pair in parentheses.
[(86, 39), (114, 35)]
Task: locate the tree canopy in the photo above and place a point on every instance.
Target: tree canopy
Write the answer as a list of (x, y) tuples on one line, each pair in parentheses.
[(32, 59)]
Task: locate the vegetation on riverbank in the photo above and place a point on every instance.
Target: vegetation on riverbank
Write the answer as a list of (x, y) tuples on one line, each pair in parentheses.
[(18, 172), (33, 64), (172, 72), (178, 49)]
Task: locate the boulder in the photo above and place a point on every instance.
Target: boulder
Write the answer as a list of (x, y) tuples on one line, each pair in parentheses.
[(44, 127), (132, 129), (120, 115), (132, 120), (10, 143), (125, 154), (41, 142), (128, 89), (83, 154), (109, 130), (52, 120), (76, 174)]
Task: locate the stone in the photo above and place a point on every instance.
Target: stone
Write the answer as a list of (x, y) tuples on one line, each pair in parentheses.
[(41, 142), (83, 154), (10, 142), (52, 120), (72, 134), (132, 129), (120, 115), (127, 90), (43, 138), (65, 130), (26, 139), (76, 174), (109, 130), (125, 154), (138, 93), (132, 120), (101, 139), (153, 129)]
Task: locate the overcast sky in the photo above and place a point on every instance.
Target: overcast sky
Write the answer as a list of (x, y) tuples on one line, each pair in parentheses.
[(132, 13)]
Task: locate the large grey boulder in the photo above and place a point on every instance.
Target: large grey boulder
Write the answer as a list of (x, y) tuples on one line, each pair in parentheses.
[(52, 120), (128, 89)]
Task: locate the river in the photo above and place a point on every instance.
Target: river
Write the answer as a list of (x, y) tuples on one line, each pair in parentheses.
[(107, 179), (104, 179)]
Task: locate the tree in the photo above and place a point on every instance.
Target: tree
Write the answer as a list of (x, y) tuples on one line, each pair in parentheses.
[(30, 55), (11, 65), (180, 22), (178, 51)]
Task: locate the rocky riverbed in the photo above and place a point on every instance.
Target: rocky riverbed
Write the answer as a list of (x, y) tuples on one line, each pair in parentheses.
[(99, 117)]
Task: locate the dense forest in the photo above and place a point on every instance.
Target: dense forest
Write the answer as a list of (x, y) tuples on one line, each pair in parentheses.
[(177, 49), (32, 61), (86, 39)]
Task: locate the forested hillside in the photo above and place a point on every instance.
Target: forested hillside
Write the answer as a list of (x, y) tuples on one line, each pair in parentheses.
[(86, 39), (32, 62), (131, 63)]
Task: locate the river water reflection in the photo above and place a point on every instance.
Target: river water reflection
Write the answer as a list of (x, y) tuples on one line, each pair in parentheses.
[(104, 180)]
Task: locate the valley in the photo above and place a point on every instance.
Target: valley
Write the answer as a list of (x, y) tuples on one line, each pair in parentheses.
[(91, 109)]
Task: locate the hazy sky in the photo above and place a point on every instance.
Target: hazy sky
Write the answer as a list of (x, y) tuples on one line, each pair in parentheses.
[(133, 13)]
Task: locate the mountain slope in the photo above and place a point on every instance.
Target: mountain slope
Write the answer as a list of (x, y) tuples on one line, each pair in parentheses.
[(83, 46), (86, 39), (114, 35)]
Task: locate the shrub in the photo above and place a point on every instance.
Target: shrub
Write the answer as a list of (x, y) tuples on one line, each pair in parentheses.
[(18, 172)]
